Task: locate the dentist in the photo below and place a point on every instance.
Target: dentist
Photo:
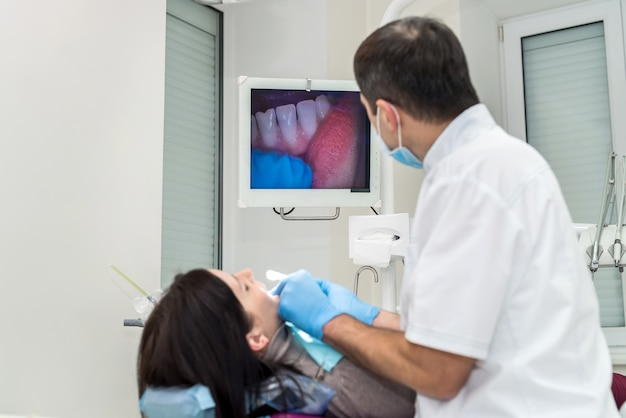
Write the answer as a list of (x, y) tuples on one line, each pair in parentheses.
[(499, 317)]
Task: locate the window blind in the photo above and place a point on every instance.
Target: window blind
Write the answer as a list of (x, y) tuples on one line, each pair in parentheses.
[(568, 121), (191, 157)]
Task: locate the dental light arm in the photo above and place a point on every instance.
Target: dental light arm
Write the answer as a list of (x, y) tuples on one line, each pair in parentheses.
[(388, 274), (394, 10)]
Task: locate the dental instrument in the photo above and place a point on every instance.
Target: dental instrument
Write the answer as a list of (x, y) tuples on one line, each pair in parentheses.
[(617, 250), (142, 304), (607, 233), (609, 194), (135, 285), (274, 276)]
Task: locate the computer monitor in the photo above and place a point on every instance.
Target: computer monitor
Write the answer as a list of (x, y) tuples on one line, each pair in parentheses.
[(305, 143)]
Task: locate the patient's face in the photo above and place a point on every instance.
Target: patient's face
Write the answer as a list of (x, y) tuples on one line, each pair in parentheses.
[(254, 298)]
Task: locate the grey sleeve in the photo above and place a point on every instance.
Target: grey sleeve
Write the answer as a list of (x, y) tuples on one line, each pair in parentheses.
[(362, 394)]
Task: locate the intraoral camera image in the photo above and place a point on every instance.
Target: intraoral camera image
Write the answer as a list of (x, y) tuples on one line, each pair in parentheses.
[(309, 139)]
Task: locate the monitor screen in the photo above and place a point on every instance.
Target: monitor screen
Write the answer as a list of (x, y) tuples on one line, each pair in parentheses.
[(305, 143)]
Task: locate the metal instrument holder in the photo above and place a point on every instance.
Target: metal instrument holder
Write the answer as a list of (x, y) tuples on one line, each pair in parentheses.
[(284, 216), (133, 323), (595, 250), (617, 250), (358, 273)]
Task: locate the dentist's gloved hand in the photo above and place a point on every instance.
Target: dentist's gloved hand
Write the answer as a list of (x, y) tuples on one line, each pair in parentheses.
[(303, 302), (276, 170), (347, 302)]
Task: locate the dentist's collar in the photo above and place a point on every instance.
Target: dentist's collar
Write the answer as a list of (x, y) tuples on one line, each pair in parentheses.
[(463, 129)]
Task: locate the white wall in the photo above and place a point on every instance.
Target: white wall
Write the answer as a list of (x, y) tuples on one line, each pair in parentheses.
[(479, 34), (81, 111)]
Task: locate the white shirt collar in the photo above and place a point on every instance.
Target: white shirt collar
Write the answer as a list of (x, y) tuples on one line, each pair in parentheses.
[(463, 129)]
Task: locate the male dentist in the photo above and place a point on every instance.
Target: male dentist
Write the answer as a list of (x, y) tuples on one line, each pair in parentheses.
[(499, 317)]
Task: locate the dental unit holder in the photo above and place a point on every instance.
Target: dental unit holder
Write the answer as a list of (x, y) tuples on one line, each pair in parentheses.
[(611, 254), (142, 304), (358, 273), (284, 216), (379, 241)]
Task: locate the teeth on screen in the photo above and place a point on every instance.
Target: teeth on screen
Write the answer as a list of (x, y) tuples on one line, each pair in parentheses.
[(286, 117), (267, 126), (323, 107), (307, 117)]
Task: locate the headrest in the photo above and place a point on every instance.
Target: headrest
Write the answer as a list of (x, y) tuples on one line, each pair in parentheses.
[(177, 402)]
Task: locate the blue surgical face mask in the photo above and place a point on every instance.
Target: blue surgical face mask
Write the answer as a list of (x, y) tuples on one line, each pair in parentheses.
[(401, 154)]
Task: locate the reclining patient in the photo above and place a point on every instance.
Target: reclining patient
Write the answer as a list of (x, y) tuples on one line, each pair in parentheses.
[(223, 331)]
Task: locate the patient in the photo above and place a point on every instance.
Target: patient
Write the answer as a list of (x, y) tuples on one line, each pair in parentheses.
[(223, 331)]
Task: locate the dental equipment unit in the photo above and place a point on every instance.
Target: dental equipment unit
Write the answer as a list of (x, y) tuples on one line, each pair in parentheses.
[(142, 304), (603, 241), (379, 241)]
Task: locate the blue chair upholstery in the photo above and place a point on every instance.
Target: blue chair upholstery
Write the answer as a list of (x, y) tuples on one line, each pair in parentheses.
[(175, 402), (193, 402)]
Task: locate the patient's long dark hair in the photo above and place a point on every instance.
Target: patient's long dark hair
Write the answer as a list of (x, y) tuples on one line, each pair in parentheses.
[(197, 334)]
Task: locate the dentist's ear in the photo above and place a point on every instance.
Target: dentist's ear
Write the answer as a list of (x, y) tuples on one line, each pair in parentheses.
[(387, 114), (256, 339)]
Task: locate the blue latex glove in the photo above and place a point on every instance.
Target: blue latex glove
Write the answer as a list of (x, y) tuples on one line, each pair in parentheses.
[(347, 302), (303, 303), (275, 170)]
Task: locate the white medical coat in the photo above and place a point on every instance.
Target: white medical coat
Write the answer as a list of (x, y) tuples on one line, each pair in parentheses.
[(494, 273)]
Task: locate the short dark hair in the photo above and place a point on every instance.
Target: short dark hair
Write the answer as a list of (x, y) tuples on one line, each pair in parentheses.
[(418, 64), (197, 334)]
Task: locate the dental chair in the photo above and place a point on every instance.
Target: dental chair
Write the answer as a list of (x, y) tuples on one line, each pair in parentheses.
[(193, 402)]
